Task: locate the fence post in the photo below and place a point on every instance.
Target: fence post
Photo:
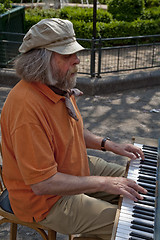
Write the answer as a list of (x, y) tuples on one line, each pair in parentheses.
[(118, 59), (99, 57), (92, 72), (137, 43), (153, 52)]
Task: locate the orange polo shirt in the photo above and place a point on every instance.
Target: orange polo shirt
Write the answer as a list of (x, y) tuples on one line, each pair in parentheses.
[(39, 138)]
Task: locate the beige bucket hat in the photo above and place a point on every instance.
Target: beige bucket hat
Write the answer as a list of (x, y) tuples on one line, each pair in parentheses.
[(54, 34)]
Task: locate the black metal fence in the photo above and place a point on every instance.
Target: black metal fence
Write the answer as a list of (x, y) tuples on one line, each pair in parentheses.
[(101, 56), (109, 55), (9, 44)]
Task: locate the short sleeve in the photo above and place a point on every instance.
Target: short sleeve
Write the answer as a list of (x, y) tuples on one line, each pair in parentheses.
[(34, 153)]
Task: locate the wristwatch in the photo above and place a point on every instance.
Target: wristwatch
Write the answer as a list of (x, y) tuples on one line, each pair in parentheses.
[(103, 143)]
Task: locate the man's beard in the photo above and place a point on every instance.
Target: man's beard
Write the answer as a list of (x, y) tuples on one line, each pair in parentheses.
[(66, 81)]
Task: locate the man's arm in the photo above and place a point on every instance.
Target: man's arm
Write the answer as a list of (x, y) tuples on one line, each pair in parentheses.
[(128, 150), (64, 184)]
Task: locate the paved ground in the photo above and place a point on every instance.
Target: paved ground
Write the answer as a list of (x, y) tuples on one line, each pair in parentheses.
[(119, 116), (64, 3)]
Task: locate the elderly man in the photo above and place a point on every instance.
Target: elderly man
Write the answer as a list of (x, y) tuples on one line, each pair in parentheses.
[(49, 177)]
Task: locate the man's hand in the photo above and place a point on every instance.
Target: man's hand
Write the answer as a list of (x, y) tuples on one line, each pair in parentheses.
[(127, 150), (125, 187)]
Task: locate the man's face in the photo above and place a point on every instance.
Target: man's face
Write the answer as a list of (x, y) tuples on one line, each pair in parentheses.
[(64, 70)]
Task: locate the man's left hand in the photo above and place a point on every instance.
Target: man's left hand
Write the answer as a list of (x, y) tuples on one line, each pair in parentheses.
[(127, 150)]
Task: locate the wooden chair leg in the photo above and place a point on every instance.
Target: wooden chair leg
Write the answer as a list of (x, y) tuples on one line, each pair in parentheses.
[(42, 233), (51, 235), (71, 237), (13, 231)]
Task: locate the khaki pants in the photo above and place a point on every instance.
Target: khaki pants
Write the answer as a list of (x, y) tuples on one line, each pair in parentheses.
[(91, 215)]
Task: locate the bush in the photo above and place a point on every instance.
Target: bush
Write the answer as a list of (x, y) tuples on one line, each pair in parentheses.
[(86, 14), (117, 29), (2, 8), (124, 29), (74, 14), (146, 27), (5, 5), (83, 29), (126, 10), (152, 3), (151, 13), (32, 16), (24, 1)]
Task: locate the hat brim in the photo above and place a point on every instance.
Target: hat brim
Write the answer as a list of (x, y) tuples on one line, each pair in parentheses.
[(69, 48)]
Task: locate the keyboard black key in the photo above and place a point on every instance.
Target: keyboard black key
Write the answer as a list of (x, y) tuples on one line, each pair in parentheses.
[(134, 238), (142, 222), (142, 228), (142, 216), (150, 156), (144, 212), (142, 235), (150, 148), (147, 185), (146, 203), (145, 208), (150, 181), (147, 177), (141, 171), (146, 162), (147, 171), (147, 167), (147, 198)]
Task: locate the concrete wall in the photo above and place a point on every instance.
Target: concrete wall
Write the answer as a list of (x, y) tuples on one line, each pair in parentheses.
[(107, 84)]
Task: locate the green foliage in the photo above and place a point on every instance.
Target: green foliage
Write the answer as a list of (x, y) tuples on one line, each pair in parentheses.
[(103, 1), (5, 5), (83, 29), (124, 29), (32, 16), (126, 10), (74, 14), (47, 13), (86, 14), (151, 13), (117, 29), (146, 27), (103, 16), (2, 8), (136, 28), (152, 3), (24, 1)]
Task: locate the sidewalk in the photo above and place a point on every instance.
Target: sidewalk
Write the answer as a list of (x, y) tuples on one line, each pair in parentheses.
[(43, 4), (118, 115)]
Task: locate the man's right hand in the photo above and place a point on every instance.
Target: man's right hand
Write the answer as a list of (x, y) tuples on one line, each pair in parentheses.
[(125, 187)]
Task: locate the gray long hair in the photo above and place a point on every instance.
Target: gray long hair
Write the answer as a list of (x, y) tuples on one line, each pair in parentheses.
[(34, 66)]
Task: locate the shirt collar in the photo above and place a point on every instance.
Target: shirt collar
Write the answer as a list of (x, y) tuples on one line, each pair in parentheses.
[(43, 88)]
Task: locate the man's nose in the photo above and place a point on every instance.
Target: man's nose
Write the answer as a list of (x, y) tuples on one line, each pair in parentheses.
[(76, 59)]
